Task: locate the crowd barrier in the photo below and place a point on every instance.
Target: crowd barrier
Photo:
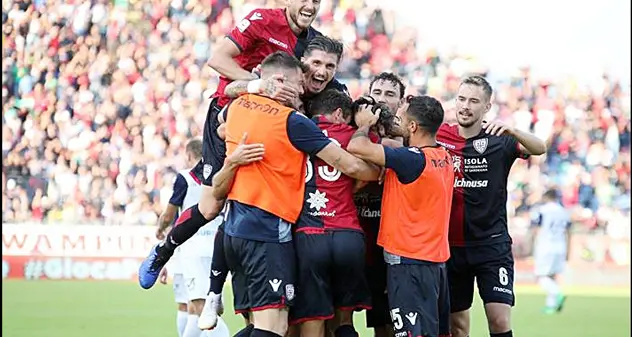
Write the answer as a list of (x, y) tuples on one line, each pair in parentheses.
[(93, 252)]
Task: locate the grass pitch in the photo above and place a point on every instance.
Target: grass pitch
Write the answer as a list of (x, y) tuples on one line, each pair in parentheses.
[(122, 309)]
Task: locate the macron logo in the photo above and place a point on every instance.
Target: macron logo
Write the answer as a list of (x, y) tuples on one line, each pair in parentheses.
[(412, 318), (275, 284), (278, 43)]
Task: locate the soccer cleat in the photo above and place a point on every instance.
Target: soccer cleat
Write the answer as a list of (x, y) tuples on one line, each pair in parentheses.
[(149, 270), (213, 307), (560, 303), (549, 310)]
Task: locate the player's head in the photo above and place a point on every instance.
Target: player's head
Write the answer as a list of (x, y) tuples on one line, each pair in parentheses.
[(334, 105), (473, 100), (287, 65), (550, 195), (388, 89), (193, 152), (322, 56), (422, 117), (303, 12)]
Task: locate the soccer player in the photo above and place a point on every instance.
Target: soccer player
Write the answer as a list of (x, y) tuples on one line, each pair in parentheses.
[(483, 153), (190, 281), (265, 198), (388, 89), (260, 33), (551, 224), (328, 239), (415, 213), (322, 55)]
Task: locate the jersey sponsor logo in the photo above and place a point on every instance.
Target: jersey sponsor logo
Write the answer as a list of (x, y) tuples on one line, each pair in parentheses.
[(275, 284), (367, 212), (470, 183), (440, 162), (278, 43), (317, 201), (480, 145)]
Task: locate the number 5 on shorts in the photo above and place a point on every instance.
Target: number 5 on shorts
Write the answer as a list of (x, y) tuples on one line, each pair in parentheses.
[(397, 319), (502, 276)]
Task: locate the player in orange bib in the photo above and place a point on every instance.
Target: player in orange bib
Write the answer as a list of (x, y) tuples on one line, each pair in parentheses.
[(265, 198), (415, 214)]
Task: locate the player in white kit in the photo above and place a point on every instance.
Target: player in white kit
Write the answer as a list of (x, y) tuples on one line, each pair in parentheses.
[(193, 260), (551, 222)]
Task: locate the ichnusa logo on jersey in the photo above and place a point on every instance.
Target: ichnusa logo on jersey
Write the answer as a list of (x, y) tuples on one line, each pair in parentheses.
[(470, 183)]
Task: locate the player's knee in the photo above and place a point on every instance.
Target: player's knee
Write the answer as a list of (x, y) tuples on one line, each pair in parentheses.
[(460, 323), (498, 317), (196, 306)]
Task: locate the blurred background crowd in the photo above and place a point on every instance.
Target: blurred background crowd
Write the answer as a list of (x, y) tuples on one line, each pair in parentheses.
[(99, 98)]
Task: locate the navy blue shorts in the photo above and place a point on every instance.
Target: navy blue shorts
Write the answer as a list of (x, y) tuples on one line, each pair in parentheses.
[(493, 268), (413, 294), (213, 147), (263, 273), (330, 275)]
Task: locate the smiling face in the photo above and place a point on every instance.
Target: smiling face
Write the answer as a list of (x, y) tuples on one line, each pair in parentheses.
[(322, 68), (303, 12), (387, 93), (471, 105)]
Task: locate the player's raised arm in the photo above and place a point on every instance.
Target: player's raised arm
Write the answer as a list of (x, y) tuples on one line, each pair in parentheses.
[(528, 143), (244, 154), (360, 144), (242, 37)]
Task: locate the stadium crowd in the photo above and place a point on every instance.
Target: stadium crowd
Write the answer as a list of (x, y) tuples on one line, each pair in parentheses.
[(99, 98)]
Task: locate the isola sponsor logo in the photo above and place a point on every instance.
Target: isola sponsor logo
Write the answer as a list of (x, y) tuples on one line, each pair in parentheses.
[(470, 183)]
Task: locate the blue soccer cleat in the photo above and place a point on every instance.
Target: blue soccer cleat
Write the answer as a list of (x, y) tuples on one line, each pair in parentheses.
[(150, 269)]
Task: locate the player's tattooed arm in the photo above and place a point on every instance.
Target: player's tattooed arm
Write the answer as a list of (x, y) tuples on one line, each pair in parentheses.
[(244, 154), (362, 147), (272, 87), (237, 88), (348, 164)]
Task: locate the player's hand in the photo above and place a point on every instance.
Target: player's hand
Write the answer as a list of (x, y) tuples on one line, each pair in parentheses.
[(160, 234), (246, 153), (497, 128), (380, 178), (257, 71), (365, 116), (162, 277), (275, 88)]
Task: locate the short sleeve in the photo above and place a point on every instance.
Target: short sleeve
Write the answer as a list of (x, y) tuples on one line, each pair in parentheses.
[(407, 162), (512, 147), (305, 135), (179, 191), (248, 31)]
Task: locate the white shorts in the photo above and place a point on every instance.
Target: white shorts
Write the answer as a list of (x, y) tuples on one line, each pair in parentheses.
[(196, 271), (180, 289), (550, 263)]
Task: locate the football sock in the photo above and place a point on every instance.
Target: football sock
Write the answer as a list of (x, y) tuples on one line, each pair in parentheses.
[(219, 267)]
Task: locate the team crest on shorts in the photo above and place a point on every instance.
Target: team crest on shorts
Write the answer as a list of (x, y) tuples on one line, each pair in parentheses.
[(289, 292), (480, 145), (208, 168)]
